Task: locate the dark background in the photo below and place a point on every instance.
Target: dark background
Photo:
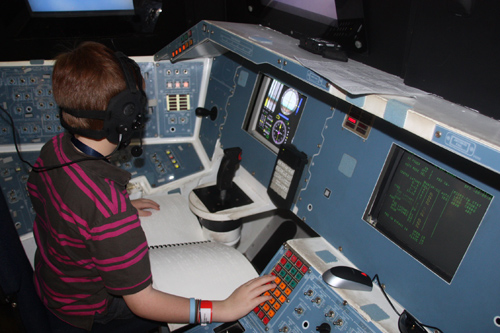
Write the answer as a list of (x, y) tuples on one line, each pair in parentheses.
[(445, 47)]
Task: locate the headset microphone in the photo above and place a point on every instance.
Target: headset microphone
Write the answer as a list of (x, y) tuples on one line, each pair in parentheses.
[(136, 151)]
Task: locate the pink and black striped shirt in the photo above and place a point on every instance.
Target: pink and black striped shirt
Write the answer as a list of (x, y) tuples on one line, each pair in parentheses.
[(90, 241)]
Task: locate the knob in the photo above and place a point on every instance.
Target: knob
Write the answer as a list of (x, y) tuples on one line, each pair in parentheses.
[(324, 328), (317, 300), (338, 322), (202, 112), (309, 292)]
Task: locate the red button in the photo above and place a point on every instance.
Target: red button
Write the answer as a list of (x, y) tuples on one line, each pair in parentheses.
[(294, 259), (265, 321), (260, 314), (277, 268), (304, 269), (283, 261), (288, 253)]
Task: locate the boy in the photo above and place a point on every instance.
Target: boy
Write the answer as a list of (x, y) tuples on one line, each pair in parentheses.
[(92, 263)]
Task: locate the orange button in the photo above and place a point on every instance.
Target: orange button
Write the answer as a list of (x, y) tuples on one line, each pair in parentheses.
[(282, 285), (266, 307), (282, 299), (277, 293), (276, 306), (288, 291), (271, 313)]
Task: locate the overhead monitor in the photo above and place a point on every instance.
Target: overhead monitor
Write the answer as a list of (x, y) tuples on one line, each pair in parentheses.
[(62, 8), (333, 20), (275, 114), (427, 211)]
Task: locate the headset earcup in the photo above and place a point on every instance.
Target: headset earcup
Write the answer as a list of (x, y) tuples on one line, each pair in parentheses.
[(125, 111)]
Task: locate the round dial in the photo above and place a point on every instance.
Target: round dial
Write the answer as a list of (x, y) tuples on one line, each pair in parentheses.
[(279, 132), (289, 101)]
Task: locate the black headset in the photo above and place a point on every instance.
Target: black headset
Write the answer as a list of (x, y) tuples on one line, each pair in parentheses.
[(125, 112)]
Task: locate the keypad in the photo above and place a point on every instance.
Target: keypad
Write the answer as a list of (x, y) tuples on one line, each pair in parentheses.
[(282, 179), (288, 272)]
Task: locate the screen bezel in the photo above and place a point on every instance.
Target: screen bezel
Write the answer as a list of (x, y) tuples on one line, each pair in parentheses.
[(80, 13), (253, 113), (383, 183)]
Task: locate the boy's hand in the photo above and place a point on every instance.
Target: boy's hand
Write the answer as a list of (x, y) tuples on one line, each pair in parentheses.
[(142, 204), (244, 299)]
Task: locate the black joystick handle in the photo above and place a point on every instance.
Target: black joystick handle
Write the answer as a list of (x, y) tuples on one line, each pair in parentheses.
[(324, 328), (202, 112), (228, 166)]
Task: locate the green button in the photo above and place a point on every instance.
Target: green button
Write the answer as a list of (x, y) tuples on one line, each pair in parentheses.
[(282, 273), (299, 276), (293, 284), (288, 278), (288, 266)]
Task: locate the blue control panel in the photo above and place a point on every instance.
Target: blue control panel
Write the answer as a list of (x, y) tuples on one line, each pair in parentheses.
[(301, 302), (173, 91), (344, 168)]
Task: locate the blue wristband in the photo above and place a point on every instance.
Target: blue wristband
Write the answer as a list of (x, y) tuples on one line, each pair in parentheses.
[(192, 311)]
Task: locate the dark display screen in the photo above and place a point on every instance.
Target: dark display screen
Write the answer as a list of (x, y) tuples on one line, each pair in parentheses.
[(428, 212), (276, 113)]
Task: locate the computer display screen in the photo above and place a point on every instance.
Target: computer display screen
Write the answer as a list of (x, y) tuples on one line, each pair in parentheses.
[(425, 210), (276, 113), (80, 8)]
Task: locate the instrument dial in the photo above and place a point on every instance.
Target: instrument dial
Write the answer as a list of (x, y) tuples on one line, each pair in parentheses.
[(279, 132), (289, 101)]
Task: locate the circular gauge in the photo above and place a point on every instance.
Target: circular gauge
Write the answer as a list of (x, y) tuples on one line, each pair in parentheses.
[(289, 101), (279, 132)]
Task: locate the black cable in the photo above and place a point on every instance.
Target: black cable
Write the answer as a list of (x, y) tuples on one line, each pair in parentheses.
[(51, 167), (375, 277), (385, 294)]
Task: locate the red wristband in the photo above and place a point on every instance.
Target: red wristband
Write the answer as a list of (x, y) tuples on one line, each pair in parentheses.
[(205, 314)]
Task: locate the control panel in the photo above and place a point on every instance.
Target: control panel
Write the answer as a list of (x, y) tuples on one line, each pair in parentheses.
[(303, 302), (26, 93)]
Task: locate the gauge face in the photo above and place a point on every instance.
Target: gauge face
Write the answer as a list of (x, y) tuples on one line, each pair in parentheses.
[(289, 101), (279, 132)]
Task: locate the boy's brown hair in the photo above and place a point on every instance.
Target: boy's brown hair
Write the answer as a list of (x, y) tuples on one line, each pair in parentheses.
[(86, 78)]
